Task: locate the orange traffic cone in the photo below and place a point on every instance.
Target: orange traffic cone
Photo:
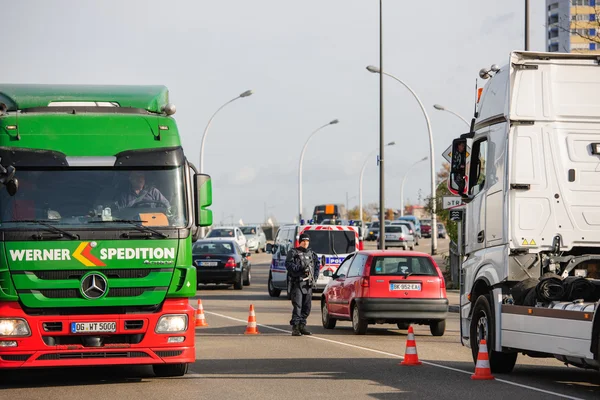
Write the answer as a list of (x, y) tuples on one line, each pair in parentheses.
[(410, 355), (251, 328), (200, 320), (482, 367)]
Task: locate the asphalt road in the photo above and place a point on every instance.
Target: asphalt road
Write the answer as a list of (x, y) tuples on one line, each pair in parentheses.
[(330, 364)]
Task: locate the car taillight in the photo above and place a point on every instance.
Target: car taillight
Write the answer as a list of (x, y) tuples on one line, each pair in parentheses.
[(230, 263), (364, 281)]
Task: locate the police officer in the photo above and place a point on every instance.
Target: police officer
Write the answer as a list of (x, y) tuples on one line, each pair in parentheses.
[(302, 265)]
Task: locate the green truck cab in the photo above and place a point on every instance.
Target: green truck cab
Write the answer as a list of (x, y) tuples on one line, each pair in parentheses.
[(97, 222)]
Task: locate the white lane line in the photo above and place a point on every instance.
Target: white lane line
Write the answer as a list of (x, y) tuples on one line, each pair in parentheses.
[(402, 357)]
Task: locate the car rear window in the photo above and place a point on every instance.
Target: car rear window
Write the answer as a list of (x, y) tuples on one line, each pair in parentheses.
[(332, 242), (393, 228), (220, 233), (401, 266), (213, 248)]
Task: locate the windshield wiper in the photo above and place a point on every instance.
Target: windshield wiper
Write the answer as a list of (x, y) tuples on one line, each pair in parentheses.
[(137, 224), (51, 227)]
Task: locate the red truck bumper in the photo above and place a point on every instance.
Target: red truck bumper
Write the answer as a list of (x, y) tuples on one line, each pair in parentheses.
[(52, 344)]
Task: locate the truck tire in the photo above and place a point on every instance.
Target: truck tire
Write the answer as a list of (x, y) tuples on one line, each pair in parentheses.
[(482, 327), (273, 291), (166, 370)]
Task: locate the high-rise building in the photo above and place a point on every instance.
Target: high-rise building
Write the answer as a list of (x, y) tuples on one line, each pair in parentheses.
[(573, 26)]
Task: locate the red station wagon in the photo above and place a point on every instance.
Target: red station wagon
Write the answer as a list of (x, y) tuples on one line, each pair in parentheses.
[(386, 287)]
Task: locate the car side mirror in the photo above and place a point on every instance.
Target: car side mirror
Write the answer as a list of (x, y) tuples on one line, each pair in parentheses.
[(323, 261)]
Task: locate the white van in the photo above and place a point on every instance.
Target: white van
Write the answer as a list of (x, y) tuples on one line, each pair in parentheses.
[(332, 243)]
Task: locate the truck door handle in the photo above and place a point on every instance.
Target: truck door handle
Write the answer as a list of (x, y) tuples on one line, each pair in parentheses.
[(480, 237)]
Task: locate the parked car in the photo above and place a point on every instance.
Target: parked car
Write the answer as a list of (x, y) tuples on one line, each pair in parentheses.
[(373, 230), (255, 238), (411, 228), (442, 231), (229, 233), (416, 222), (398, 236), (426, 229), (221, 261), (395, 287)]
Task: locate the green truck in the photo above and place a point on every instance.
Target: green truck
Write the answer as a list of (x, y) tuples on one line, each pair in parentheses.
[(98, 214)]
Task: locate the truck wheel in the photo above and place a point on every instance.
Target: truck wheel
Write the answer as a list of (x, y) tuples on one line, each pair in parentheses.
[(359, 325), (328, 321), (403, 325), (273, 291), (165, 370), (482, 327), (438, 328)]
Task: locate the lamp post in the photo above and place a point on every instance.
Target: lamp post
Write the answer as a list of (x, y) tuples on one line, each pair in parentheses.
[(335, 121), (360, 181), (442, 108), (402, 186), (376, 70), (245, 94)]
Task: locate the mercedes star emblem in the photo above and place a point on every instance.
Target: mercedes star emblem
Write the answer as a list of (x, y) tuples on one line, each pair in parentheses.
[(94, 286)]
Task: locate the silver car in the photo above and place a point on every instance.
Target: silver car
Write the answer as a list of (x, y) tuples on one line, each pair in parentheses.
[(398, 236), (256, 238)]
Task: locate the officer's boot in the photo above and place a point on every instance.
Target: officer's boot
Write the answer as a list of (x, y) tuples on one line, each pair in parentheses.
[(303, 330), (296, 330)]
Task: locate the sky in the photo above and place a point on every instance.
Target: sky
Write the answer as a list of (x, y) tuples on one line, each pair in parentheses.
[(305, 62)]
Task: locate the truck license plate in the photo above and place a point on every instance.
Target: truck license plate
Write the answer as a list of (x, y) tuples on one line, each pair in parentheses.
[(86, 327), (405, 286)]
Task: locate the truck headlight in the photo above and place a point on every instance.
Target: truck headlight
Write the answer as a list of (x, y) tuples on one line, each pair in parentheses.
[(172, 323), (14, 327)]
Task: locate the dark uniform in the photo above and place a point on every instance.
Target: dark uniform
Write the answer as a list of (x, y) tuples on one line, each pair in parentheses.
[(303, 269)]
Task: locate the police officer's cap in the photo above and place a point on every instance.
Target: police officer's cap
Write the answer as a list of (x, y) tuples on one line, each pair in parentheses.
[(304, 236)]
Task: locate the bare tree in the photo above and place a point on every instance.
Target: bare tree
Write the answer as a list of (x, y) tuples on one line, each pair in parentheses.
[(582, 27)]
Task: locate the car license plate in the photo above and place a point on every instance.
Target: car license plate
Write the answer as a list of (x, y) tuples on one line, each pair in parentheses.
[(86, 327), (390, 236), (208, 263), (405, 286)]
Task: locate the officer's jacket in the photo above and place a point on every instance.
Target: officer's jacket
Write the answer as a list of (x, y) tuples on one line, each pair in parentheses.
[(296, 261)]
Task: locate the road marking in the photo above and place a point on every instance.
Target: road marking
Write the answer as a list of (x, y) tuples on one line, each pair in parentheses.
[(401, 357)]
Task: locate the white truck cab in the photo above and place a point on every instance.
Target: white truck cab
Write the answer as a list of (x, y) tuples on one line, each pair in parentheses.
[(530, 279)]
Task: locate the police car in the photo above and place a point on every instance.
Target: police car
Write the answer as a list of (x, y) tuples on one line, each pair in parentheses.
[(331, 243)]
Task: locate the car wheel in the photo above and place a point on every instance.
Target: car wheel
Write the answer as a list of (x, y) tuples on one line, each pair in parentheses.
[(438, 328), (403, 325), (248, 279), (328, 321), (289, 289), (359, 325), (165, 370), (239, 285), (482, 327), (273, 291)]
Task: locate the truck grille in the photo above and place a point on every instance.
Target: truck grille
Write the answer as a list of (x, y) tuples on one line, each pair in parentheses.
[(75, 294), (110, 273), (169, 353), (16, 357), (133, 325), (101, 354), (52, 326)]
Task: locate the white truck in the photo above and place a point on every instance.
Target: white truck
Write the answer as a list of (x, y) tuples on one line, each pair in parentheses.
[(530, 276)]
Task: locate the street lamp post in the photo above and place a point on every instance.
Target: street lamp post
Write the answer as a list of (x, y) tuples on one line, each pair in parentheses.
[(442, 108), (402, 186), (376, 70), (245, 94), (360, 182), (335, 121)]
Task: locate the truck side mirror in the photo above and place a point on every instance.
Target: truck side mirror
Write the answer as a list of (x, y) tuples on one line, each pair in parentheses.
[(203, 199), (458, 181)]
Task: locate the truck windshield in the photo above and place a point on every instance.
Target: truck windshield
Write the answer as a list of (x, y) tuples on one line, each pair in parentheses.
[(76, 197)]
